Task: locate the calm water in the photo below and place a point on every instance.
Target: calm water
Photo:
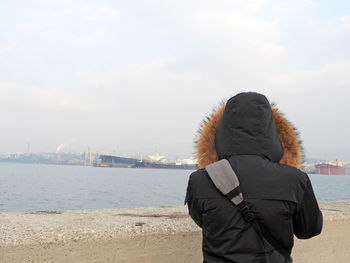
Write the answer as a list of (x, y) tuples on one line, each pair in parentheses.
[(34, 187)]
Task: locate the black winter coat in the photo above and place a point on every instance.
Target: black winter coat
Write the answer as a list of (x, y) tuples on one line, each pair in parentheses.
[(281, 196)]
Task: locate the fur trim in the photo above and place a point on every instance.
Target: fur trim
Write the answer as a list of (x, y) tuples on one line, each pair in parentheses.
[(289, 138), (206, 151)]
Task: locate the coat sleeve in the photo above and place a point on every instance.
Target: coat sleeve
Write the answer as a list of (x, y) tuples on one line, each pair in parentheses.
[(308, 219), (192, 203)]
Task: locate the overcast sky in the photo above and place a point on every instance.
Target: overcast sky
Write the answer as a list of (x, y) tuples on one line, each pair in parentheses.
[(139, 76)]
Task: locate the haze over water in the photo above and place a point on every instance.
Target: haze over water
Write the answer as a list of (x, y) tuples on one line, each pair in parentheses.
[(34, 187)]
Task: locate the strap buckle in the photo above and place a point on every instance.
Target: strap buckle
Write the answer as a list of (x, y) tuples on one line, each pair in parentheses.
[(246, 213)]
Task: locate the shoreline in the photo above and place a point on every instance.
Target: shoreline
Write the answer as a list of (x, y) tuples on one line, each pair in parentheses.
[(147, 234)]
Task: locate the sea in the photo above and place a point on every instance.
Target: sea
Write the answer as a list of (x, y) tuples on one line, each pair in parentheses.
[(39, 187)]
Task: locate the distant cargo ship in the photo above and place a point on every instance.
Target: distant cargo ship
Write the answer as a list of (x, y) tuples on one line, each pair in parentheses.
[(116, 161), (331, 168), (155, 161)]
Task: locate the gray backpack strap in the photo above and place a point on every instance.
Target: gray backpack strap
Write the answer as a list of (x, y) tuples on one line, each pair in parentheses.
[(226, 180)]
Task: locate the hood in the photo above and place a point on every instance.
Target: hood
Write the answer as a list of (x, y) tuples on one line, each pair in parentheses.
[(248, 124)]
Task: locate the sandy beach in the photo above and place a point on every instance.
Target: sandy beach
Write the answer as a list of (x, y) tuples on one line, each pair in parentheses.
[(150, 234)]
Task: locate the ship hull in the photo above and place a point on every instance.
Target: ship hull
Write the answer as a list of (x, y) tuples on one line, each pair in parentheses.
[(151, 165), (330, 170), (117, 165)]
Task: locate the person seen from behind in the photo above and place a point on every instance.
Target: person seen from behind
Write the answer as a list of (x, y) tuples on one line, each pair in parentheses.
[(254, 217)]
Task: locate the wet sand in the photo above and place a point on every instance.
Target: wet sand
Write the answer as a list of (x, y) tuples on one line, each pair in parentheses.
[(151, 234)]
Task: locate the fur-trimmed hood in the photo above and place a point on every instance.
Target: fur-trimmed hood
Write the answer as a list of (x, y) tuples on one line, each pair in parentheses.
[(248, 124)]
